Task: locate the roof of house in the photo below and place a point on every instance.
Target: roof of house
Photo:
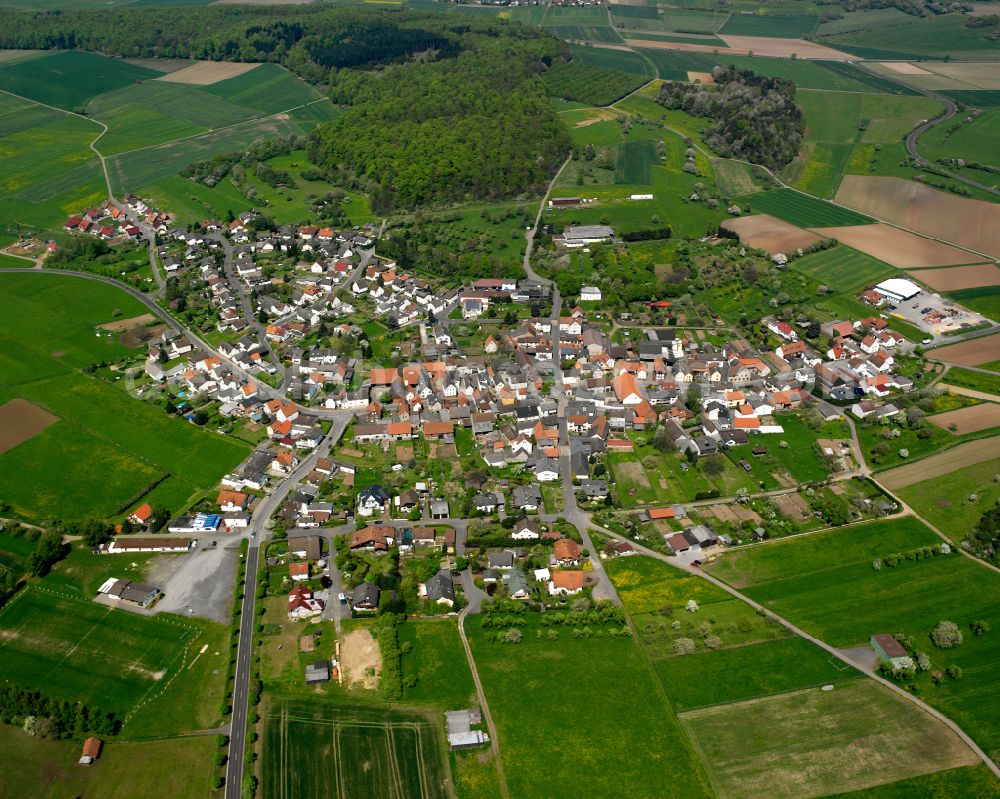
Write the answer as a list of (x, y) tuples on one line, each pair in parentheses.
[(570, 580), (566, 549)]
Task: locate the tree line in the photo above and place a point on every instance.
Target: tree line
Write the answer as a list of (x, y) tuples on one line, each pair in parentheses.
[(755, 116), (52, 718)]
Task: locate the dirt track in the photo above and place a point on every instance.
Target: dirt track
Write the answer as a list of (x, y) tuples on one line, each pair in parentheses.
[(898, 247), (968, 420), (21, 420), (967, 454)]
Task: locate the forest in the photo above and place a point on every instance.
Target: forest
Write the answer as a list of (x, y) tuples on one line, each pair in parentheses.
[(755, 117), (440, 110)]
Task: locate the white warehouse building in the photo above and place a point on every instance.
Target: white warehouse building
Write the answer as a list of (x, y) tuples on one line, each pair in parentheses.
[(896, 289)]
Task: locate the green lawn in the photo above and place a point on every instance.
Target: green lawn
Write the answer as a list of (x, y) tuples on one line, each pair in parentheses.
[(844, 268), (970, 781), (597, 702), (825, 584), (437, 660)]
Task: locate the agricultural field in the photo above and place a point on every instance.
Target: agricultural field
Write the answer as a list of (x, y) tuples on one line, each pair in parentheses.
[(326, 749), (977, 381), (107, 448), (804, 211), (589, 84), (621, 60), (984, 300), (67, 79), (764, 232), (930, 36), (900, 248), (585, 33), (836, 120), (748, 672), (825, 583), (735, 178), (775, 25), (680, 20), (955, 502), (968, 781), (843, 267), (942, 463), (804, 743), (973, 352), (635, 159), (600, 700), (973, 140)]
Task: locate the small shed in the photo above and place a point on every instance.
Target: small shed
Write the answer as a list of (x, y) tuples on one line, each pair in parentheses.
[(889, 649), (91, 751)]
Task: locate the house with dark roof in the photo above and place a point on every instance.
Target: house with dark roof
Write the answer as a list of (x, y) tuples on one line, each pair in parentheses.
[(365, 598), (439, 589)]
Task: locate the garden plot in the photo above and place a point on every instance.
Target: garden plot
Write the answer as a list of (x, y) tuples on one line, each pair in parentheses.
[(959, 277), (968, 420), (897, 247), (205, 73), (974, 224), (766, 232)]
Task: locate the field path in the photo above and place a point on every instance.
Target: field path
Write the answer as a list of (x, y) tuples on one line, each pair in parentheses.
[(494, 738), (899, 691)]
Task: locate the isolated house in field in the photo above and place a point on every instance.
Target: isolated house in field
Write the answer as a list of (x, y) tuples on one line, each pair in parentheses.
[(91, 751), (889, 650)]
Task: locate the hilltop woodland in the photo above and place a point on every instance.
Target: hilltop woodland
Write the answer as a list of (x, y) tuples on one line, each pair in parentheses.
[(755, 117), (439, 109)]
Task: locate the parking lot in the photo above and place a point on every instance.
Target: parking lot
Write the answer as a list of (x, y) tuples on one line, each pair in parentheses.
[(935, 314)]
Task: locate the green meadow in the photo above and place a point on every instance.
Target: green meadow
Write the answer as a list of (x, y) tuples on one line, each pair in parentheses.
[(107, 447), (826, 584)]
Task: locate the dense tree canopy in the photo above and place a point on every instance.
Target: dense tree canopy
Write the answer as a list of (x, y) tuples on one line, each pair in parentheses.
[(442, 109), (756, 117)]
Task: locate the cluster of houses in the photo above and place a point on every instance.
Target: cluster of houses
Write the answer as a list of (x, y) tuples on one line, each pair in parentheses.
[(561, 577), (111, 222), (400, 299)]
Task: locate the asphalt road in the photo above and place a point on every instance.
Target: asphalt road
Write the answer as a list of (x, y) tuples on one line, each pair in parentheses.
[(244, 653)]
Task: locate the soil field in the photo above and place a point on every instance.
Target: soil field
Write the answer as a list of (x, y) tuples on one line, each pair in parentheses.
[(701, 77), (970, 353), (974, 224), (968, 420), (205, 73), (793, 506), (742, 45), (981, 75), (21, 420), (812, 742), (361, 659), (766, 232), (128, 324), (959, 277), (904, 68), (897, 247), (956, 458)]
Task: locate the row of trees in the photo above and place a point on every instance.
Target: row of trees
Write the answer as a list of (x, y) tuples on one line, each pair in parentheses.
[(52, 718), (984, 540)]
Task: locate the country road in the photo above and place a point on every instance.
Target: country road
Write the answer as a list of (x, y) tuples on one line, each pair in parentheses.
[(244, 652)]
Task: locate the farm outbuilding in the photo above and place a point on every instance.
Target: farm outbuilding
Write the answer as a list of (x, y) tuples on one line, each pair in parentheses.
[(91, 751)]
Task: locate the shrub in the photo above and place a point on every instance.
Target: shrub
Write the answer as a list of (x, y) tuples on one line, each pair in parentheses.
[(946, 635)]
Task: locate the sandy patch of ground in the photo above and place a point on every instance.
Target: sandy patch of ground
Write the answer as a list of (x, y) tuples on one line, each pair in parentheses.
[(765, 232), (125, 324), (632, 472), (21, 420), (959, 277), (904, 68), (598, 116), (968, 420), (361, 659), (897, 247), (968, 454), (974, 224), (205, 73), (970, 353), (701, 77)]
